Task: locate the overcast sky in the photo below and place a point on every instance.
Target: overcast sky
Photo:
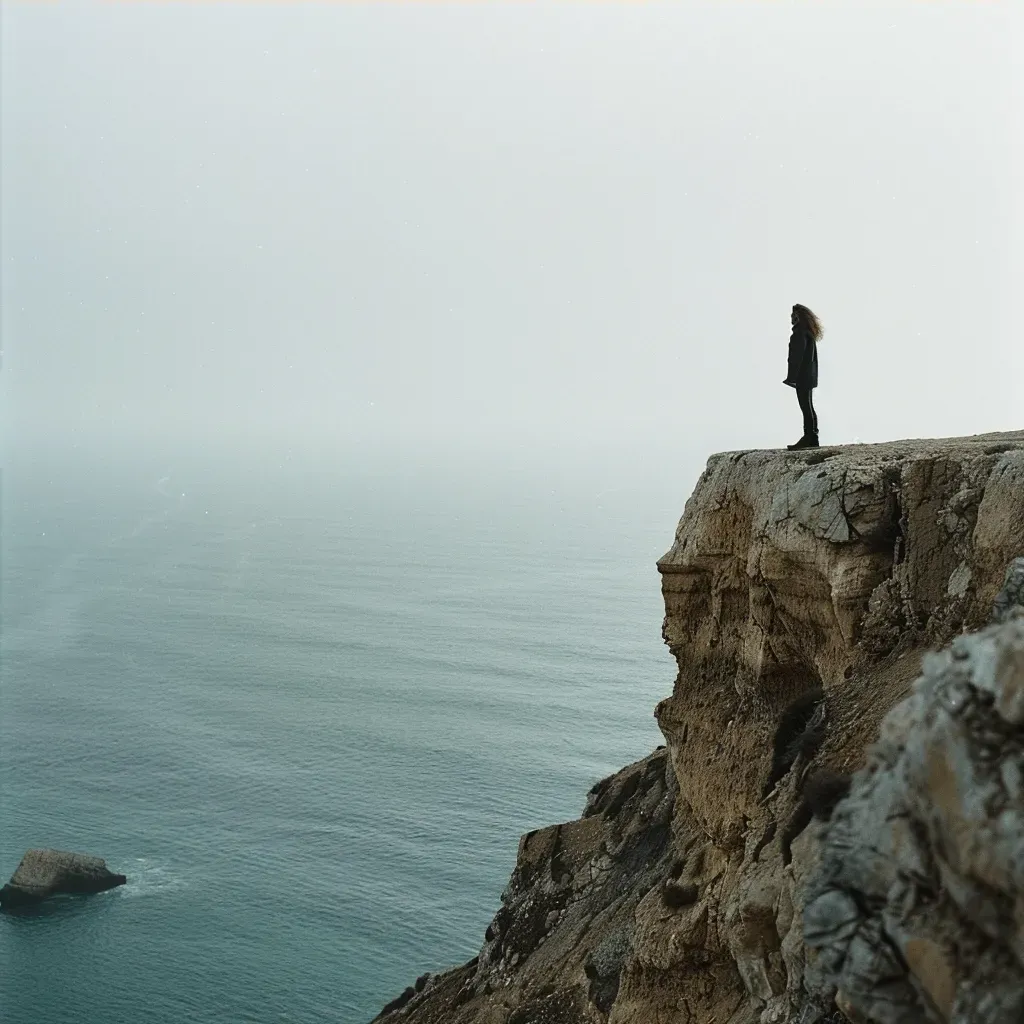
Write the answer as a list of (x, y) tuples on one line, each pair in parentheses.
[(530, 224)]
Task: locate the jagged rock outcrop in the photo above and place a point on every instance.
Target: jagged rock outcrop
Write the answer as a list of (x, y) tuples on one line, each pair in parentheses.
[(44, 873), (567, 910), (801, 593), (916, 912)]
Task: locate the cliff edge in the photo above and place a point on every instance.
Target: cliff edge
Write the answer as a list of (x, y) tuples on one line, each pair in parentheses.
[(801, 592)]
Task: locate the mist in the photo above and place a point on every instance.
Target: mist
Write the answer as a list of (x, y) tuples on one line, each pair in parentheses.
[(505, 228)]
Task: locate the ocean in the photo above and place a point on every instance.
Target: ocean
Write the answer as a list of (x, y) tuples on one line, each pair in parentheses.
[(308, 710)]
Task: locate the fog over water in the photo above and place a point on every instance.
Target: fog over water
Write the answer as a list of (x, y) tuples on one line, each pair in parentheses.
[(541, 230), (358, 359)]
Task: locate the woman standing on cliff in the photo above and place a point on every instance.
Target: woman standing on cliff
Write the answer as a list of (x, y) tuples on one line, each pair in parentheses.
[(803, 370)]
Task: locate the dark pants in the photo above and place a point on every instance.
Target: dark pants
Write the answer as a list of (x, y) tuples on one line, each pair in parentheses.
[(803, 396)]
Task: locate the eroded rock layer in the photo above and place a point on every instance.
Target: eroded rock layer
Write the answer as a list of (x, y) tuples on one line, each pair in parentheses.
[(800, 593), (801, 572)]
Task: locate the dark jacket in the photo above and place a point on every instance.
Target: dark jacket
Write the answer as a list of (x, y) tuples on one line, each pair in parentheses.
[(803, 360)]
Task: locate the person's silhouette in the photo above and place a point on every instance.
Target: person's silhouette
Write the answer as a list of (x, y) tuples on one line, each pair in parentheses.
[(803, 370)]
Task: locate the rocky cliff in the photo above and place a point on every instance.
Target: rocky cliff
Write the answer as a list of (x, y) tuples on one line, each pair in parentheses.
[(713, 881)]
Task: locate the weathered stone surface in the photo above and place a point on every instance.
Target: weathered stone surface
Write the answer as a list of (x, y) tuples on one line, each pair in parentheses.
[(801, 593), (797, 572), (44, 873), (1012, 594), (920, 888), (557, 947)]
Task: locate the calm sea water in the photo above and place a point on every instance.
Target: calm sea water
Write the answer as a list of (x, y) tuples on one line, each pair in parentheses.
[(308, 711)]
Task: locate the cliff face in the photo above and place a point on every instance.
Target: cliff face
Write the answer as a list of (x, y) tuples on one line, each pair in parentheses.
[(800, 593), (802, 572)]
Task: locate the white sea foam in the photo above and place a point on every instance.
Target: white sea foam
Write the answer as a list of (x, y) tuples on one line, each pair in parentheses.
[(147, 877)]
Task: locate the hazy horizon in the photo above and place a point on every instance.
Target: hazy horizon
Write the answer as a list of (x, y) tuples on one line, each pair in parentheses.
[(534, 229)]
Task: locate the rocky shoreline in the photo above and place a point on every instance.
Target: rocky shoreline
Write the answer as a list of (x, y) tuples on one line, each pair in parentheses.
[(834, 829)]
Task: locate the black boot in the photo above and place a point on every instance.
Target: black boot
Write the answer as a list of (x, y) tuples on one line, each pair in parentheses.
[(807, 441)]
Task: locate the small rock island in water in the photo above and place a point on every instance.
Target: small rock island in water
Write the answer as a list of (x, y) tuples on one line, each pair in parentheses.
[(45, 873)]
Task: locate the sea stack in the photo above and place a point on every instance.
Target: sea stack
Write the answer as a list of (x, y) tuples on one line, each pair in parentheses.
[(44, 873)]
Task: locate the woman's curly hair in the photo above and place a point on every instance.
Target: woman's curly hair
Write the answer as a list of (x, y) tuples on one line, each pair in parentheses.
[(809, 321)]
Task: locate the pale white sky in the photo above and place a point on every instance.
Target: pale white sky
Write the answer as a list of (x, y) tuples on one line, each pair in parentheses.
[(508, 224)]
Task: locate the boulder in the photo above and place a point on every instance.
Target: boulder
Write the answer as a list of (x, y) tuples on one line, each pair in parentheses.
[(44, 873)]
